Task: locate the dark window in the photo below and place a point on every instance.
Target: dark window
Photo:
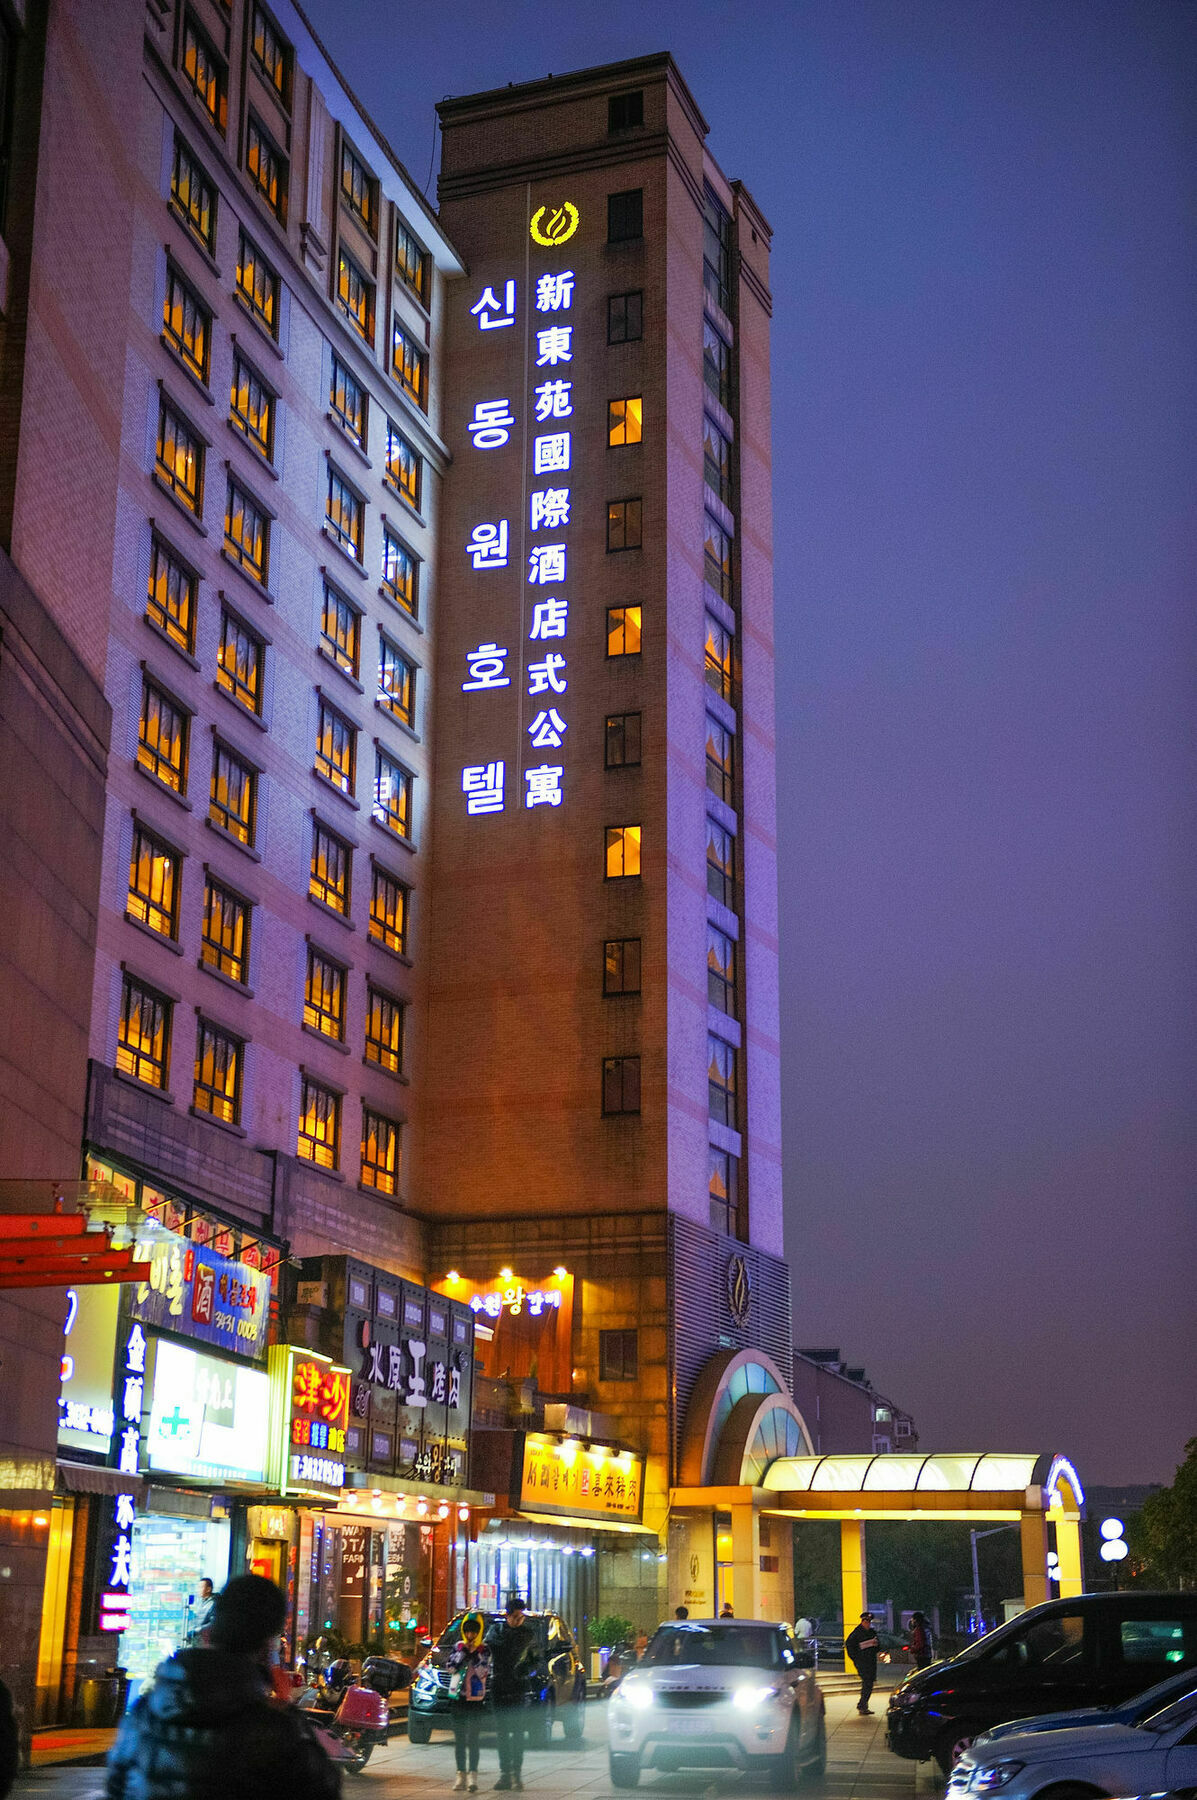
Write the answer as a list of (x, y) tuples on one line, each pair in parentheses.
[(717, 558), (621, 966), (355, 297), (251, 407), (143, 1035), (400, 573), (623, 630), (716, 364), (225, 943), (396, 682), (257, 284), (623, 741), (720, 761), (154, 875), (625, 216), (336, 748), (625, 111), (625, 317), (247, 532), (625, 421), (716, 460), (218, 1059), (409, 366), (162, 738), (623, 524), (345, 515), (324, 996), (340, 631), (721, 1081), (388, 912), (180, 459), (347, 399), (272, 53), (193, 196), (239, 661), (232, 803), (186, 324), (411, 262), (380, 1152), (328, 879), (723, 1180), (719, 659), (384, 1030), (205, 73), (319, 1139), (721, 970), (267, 168), (359, 189), (621, 1084), (622, 851), (392, 796), (717, 252), (402, 470), (170, 600), (618, 1356), (721, 864)]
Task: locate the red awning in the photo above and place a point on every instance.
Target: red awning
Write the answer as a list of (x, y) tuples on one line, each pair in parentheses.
[(56, 1249)]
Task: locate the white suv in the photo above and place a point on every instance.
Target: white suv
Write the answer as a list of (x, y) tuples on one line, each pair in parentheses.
[(719, 1694)]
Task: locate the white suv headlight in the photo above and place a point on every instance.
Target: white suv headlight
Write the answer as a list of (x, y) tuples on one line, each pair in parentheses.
[(991, 1776), (748, 1699), (637, 1693)]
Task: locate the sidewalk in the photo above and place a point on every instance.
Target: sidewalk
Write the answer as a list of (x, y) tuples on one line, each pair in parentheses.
[(55, 1744)]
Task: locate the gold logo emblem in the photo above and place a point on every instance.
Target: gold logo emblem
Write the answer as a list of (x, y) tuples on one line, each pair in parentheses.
[(556, 225), (739, 1290)]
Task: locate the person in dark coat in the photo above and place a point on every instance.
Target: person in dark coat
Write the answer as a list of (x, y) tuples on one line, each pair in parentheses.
[(469, 1666), (862, 1645), (208, 1730), (512, 1645), (920, 1640)]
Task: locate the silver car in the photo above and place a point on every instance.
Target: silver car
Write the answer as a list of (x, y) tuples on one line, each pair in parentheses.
[(1158, 1754)]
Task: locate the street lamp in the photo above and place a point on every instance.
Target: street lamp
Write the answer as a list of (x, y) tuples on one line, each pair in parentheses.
[(972, 1539)]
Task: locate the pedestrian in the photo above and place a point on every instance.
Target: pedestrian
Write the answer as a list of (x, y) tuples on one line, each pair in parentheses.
[(726, 1611), (641, 1643), (920, 1640), (469, 1681), (208, 1730), (203, 1604), (862, 1645), (681, 1612), (512, 1645), (804, 1628)]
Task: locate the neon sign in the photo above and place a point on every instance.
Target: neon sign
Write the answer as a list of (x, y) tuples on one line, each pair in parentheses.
[(557, 228), (114, 1602), (309, 1397), (514, 1300)]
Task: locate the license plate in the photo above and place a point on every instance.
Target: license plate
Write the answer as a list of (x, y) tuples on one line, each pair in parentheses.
[(684, 1727)]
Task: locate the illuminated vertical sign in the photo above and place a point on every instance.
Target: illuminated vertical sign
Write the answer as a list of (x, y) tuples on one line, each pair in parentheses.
[(114, 1600), (309, 1404)]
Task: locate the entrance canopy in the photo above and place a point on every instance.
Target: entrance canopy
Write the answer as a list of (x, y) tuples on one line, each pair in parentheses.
[(988, 1485)]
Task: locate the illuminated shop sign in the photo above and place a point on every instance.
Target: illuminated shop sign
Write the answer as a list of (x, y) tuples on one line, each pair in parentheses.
[(208, 1419), (114, 1599), (86, 1418), (309, 1409), (204, 1295), (515, 1300), (539, 668), (565, 1477)]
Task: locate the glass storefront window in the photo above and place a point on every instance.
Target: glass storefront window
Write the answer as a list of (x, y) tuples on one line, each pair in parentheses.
[(169, 1558)]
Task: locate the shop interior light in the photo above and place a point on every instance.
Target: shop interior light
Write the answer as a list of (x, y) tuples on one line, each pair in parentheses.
[(567, 1549), (463, 1513), (586, 1550)]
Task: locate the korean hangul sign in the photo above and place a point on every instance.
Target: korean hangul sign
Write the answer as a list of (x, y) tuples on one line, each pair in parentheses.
[(565, 1477), (193, 1290)]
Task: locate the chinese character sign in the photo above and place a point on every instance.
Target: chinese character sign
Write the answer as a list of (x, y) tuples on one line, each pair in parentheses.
[(310, 1403), (199, 1293), (564, 1477)]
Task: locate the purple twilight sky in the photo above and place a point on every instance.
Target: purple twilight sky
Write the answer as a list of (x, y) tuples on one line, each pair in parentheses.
[(984, 451)]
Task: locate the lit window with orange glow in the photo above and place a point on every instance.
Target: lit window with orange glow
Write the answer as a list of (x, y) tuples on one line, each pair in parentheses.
[(623, 851), (624, 421)]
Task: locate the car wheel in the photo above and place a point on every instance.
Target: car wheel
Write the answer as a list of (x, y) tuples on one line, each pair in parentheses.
[(815, 1765), (540, 1734), (419, 1731), (783, 1776), (953, 1744), (1069, 1790), (624, 1769)]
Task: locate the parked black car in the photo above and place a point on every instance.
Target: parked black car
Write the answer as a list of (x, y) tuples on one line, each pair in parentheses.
[(556, 1688), (1094, 1650)]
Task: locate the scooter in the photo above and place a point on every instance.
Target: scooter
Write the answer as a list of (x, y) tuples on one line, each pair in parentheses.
[(351, 1714)]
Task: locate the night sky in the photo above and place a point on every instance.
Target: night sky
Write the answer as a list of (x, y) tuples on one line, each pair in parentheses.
[(983, 342)]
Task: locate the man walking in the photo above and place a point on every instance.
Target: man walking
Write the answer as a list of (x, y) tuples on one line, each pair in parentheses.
[(862, 1645), (512, 1645)]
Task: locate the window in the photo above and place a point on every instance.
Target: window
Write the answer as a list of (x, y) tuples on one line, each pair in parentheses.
[(625, 317), (396, 682), (716, 460), (623, 851), (267, 167), (247, 532), (340, 631), (625, 216), (251, 407), (411, 262), (623, 630), (162, 738), (154, 873), (328, 880), (143, 1035), (625, 111), (717, 558), (618, 1356), (193, 196), (721, 970), (723, 1181), (218, 1059), (319, 1139), (621, 1084), (180, 464), (388, 912), (324, 996), (348, 403), (392, 796), (346, 515), (225, 943), (399, 573), (206, 73), (257, 284), (170, 600), (623, 524), (716, 364), (624, 420), (623, 741), (721, 1081), (719, 666), (1056, 1644), (336, 748), (359, 189), (384, 1030), (355, 297), (186, 324), (380, 1152), (402, 466), (272, 54), (717, 253), (409, 366), (1154, 1641), (239, 663), (720, 761), (621, 966), (721, 864), (232, 803)]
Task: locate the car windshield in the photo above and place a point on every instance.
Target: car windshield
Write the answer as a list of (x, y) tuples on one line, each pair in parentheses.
[(1179, 1713), (1176, 1687), (732, 1646)]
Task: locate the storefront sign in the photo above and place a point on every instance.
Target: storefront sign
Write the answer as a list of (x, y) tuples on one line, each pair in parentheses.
[(515, 1300), (565, 1478), (85, 1411), (114, 1599), (309, 1409), (208, 1418), (201, 1294)]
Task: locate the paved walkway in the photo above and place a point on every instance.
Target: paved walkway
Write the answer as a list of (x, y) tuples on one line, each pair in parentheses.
[(859, 1767)]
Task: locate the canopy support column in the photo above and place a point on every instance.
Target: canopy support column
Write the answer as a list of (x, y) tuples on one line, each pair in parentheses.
[(1033, 1533), (1068, 1550), (853, 1582)]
